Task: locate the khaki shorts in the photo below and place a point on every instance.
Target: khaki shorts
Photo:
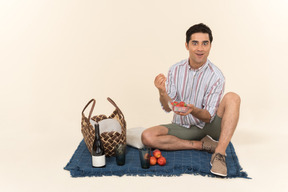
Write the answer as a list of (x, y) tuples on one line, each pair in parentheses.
[(194, 133)]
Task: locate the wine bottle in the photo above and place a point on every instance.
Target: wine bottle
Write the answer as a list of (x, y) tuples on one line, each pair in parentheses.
[(98, 154)]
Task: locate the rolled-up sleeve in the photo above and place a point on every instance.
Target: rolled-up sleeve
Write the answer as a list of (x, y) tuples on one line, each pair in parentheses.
[(213, 97), (170, 84)]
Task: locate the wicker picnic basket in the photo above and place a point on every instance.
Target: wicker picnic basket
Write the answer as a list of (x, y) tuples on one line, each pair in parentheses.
[(109, 139)]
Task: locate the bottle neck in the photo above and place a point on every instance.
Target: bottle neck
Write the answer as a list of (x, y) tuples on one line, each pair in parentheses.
[(97, 132)]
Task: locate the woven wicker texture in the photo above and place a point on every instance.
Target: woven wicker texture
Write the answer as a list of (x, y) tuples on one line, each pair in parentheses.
[(109, 139)]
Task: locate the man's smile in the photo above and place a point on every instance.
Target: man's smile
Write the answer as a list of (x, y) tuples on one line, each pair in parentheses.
[(199, 54)]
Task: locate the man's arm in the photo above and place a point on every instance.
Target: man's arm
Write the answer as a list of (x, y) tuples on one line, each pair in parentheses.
[(201, 114), (165, 99), (160, 85)]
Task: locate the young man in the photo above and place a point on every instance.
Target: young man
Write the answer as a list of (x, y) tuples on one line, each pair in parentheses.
[(209, 124)]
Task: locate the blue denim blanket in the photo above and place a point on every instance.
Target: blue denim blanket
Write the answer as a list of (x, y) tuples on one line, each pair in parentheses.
[(178, 163)]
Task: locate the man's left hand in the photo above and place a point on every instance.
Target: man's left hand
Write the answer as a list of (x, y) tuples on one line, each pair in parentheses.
[(190, 109)]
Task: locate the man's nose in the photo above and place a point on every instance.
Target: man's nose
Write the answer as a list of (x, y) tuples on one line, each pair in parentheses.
[(200, 47)]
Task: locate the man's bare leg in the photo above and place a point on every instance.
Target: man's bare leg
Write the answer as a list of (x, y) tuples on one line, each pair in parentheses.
[(229, 112), (156, 137)]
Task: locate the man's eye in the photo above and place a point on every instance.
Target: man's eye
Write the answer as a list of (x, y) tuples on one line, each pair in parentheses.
[(194, 43), (205, 43)]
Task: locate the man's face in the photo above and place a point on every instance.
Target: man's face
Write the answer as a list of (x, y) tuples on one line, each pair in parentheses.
[(199, 47)]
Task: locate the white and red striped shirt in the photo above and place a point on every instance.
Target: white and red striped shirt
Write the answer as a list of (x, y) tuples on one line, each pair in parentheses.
[(202, 87)]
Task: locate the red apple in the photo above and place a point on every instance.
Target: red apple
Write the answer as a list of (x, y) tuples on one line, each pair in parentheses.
[(146, 156), (161, 161), (157, 153), (153, 160)]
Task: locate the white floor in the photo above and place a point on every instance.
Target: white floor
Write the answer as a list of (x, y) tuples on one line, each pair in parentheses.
[(34, 162)]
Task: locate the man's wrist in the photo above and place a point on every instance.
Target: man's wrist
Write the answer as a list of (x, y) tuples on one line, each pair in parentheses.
[(161, 92)]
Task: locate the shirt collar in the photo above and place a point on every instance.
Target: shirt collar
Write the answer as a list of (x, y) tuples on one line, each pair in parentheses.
[(200, 68)]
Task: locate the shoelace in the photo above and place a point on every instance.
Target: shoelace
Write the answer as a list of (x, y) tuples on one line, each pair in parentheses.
[(221, 158)]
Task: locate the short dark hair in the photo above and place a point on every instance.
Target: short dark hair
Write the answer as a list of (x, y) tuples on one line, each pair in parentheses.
[(198, 28)]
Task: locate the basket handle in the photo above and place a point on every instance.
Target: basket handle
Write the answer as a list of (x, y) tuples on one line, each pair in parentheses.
[(114, 104), (92, 108)]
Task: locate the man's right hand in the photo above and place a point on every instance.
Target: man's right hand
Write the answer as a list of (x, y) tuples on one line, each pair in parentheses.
[(159, 83)]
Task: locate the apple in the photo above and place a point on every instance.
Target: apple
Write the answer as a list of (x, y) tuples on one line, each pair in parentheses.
[(153, 160), (157, 153), (146, 156), (161, 161)]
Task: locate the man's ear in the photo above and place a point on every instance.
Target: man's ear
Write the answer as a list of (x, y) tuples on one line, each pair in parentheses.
[(186, 45)]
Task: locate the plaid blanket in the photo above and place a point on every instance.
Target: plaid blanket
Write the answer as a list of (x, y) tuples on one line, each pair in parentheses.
[(178, 163)]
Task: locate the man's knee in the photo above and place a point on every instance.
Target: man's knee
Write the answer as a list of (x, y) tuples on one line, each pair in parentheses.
[(149, 136), (146, 137), (232, 97)]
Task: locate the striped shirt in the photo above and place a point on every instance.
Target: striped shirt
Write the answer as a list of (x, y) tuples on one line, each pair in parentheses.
[(202, 87)]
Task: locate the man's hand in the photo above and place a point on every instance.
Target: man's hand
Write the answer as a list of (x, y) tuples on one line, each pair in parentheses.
[(191, 108), (201, 114), (159, 83)]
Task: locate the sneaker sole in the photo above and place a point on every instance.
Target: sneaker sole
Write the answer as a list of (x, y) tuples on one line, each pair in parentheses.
[(219, 174)]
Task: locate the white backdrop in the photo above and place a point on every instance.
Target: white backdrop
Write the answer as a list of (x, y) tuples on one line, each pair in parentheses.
[(57, 55)]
